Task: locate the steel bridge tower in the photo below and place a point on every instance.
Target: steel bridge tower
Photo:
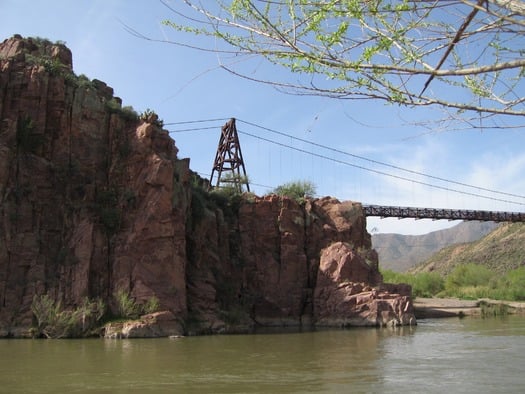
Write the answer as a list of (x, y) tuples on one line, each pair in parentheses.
[(228, 162)]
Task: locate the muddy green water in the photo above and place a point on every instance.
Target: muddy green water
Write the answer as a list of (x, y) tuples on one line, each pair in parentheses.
[(438, 356)]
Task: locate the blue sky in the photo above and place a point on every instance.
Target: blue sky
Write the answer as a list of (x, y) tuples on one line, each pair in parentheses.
[(182, 85)]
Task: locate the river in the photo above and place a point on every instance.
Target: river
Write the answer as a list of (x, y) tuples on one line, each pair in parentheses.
[(470, 355)]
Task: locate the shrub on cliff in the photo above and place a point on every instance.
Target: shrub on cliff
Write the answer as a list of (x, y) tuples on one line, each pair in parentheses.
[(152, 305), (298, 190), (26, 139), (226, 197), (53, 321), (107, 208), (149, 116), (115, 107), (53, 66), (128, 308)]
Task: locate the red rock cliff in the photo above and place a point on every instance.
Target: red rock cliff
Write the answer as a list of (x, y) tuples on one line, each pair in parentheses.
[(93, 200)]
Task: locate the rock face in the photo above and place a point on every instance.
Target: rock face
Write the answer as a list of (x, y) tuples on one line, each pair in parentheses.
[(349, 292), (94, 200)]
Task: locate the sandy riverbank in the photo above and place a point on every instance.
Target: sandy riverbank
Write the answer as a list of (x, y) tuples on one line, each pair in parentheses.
[(450, 307)]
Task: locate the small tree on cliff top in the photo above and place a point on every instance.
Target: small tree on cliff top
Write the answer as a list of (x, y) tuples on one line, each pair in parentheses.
[(298, 190), (463, 56)]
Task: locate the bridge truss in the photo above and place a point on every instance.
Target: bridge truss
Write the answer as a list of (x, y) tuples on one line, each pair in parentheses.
[(449, 214)]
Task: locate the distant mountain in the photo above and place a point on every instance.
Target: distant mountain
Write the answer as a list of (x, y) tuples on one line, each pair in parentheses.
[(501, 250), (399, 252)]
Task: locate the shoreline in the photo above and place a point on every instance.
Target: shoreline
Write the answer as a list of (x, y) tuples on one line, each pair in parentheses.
[(425, 308)]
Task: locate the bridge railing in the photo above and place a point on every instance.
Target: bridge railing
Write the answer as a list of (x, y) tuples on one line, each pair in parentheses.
[(438, 213)]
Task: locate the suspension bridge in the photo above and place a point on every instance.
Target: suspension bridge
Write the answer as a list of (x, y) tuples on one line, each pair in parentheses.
[(229, 160), (437, 214)]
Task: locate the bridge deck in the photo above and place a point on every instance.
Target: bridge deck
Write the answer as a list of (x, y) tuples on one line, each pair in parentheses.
[(449, 214)]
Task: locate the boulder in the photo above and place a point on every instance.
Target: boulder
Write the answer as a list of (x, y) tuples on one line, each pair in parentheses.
[(344, 295)]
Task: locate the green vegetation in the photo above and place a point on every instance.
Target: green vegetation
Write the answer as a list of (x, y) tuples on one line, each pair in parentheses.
[(356, 49), (106, 207), (129, 113), (55, 67), (128, 308), (425, 284), (501, 251), (52, 65), (41, 41), (54, 321), (510, 286), (150, 116), (491, 309), (226, 198), (469, 281), (491, 267), (82, 81), (198, 199), (115, 107), (152, 305), (231, 184), (26, 139), (297, 190), (109, 206)]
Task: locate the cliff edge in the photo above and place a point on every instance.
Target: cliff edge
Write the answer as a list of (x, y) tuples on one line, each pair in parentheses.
[(94, 200)]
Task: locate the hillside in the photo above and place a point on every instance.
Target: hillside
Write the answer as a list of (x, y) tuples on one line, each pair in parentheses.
[(399, 252), (501, 250)]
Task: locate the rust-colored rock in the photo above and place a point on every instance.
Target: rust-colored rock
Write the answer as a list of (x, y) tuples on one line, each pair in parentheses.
[(272, 237), (345, 294), (87, 191), (95, 200), (158, 324)]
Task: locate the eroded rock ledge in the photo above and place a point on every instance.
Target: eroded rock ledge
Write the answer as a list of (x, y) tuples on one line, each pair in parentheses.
[(95, 200)]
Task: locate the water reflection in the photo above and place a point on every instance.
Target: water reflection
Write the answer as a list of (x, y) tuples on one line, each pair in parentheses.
[(469, 355)]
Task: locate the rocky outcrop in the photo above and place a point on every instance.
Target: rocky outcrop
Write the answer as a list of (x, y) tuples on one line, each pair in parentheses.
[(94, 200), (86, 191), (349, 292), (153, 325)]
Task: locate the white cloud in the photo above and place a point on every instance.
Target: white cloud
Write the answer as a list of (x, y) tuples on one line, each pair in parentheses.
[(502, 172), (497, 171)]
